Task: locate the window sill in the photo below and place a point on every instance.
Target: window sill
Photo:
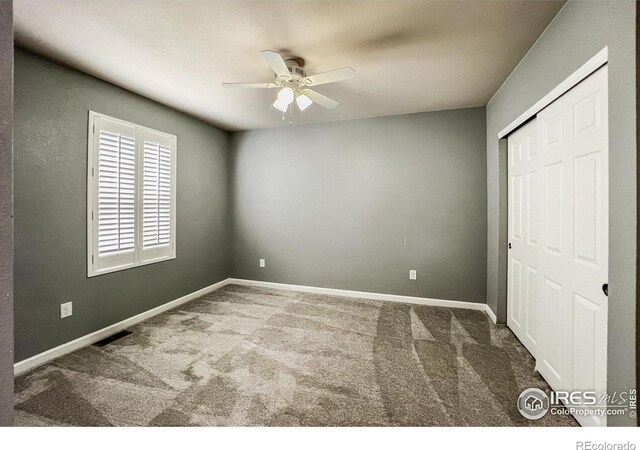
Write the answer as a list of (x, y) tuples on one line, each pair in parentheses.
[(95, 273)]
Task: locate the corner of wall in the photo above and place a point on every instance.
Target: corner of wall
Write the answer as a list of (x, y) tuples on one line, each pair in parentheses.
[(231, 204), (6, 213)]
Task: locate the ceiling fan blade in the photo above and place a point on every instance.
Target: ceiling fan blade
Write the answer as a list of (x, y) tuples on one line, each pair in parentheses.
[(250, 85), (320, 99), (276, 62), (330, 77)]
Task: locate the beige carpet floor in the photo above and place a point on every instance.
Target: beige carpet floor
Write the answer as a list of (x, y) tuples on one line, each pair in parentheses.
[(245, 356)]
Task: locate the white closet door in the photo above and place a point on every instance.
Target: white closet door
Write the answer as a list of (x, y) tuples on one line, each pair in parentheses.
[(523, 195), (573, 253)]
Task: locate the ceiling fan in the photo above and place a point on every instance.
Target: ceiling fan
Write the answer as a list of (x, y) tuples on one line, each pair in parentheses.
[(294, 84)]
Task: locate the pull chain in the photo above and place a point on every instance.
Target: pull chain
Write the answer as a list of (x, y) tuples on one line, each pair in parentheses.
[(291, 114)]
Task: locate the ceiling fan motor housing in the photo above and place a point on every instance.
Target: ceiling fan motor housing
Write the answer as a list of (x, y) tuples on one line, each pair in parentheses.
[(295, 67), (296, 71)]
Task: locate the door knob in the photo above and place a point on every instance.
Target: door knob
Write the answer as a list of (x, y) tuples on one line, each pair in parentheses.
[(605, 289)]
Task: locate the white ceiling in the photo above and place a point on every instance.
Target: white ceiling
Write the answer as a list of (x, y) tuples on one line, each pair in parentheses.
[(409, 56)]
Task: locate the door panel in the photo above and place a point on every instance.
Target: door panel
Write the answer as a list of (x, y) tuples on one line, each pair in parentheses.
[(516, 293), (573, 248), (552, 132), (551, 335), (586, 114), (517, 207), (524, 205), (530, 303), (533, 205), (584, 327), (553, 208), (586, 208)]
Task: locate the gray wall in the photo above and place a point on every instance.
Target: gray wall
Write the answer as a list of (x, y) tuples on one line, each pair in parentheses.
[(356, 204), (51, 105), (6, 220), (579, 31)]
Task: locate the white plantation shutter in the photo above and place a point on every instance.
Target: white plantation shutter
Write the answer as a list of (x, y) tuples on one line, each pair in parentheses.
[(131, 195), (157, 199), (116, 193)]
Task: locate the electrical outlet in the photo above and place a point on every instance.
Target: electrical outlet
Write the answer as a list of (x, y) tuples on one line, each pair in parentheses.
[(263, 263), (413, 274), (66, 309)]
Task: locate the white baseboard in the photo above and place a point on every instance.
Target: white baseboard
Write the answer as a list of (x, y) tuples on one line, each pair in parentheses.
[(51, 354), (360, 294), (491, 314)]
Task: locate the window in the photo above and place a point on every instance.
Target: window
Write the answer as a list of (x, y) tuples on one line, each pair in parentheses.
[(131, 195)]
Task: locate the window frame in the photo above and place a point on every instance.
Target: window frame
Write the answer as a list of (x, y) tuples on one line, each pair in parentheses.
[(92, 201)]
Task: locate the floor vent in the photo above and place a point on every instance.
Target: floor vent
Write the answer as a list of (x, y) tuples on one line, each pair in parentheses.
[(113, 338)]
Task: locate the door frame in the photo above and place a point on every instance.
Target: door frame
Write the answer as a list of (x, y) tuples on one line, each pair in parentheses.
[(591, 66), (598, 60)]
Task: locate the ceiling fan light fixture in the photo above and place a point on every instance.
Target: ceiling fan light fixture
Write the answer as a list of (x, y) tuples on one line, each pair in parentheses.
[(303, 102), (285, 98), (286, 95), (281, 105)]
